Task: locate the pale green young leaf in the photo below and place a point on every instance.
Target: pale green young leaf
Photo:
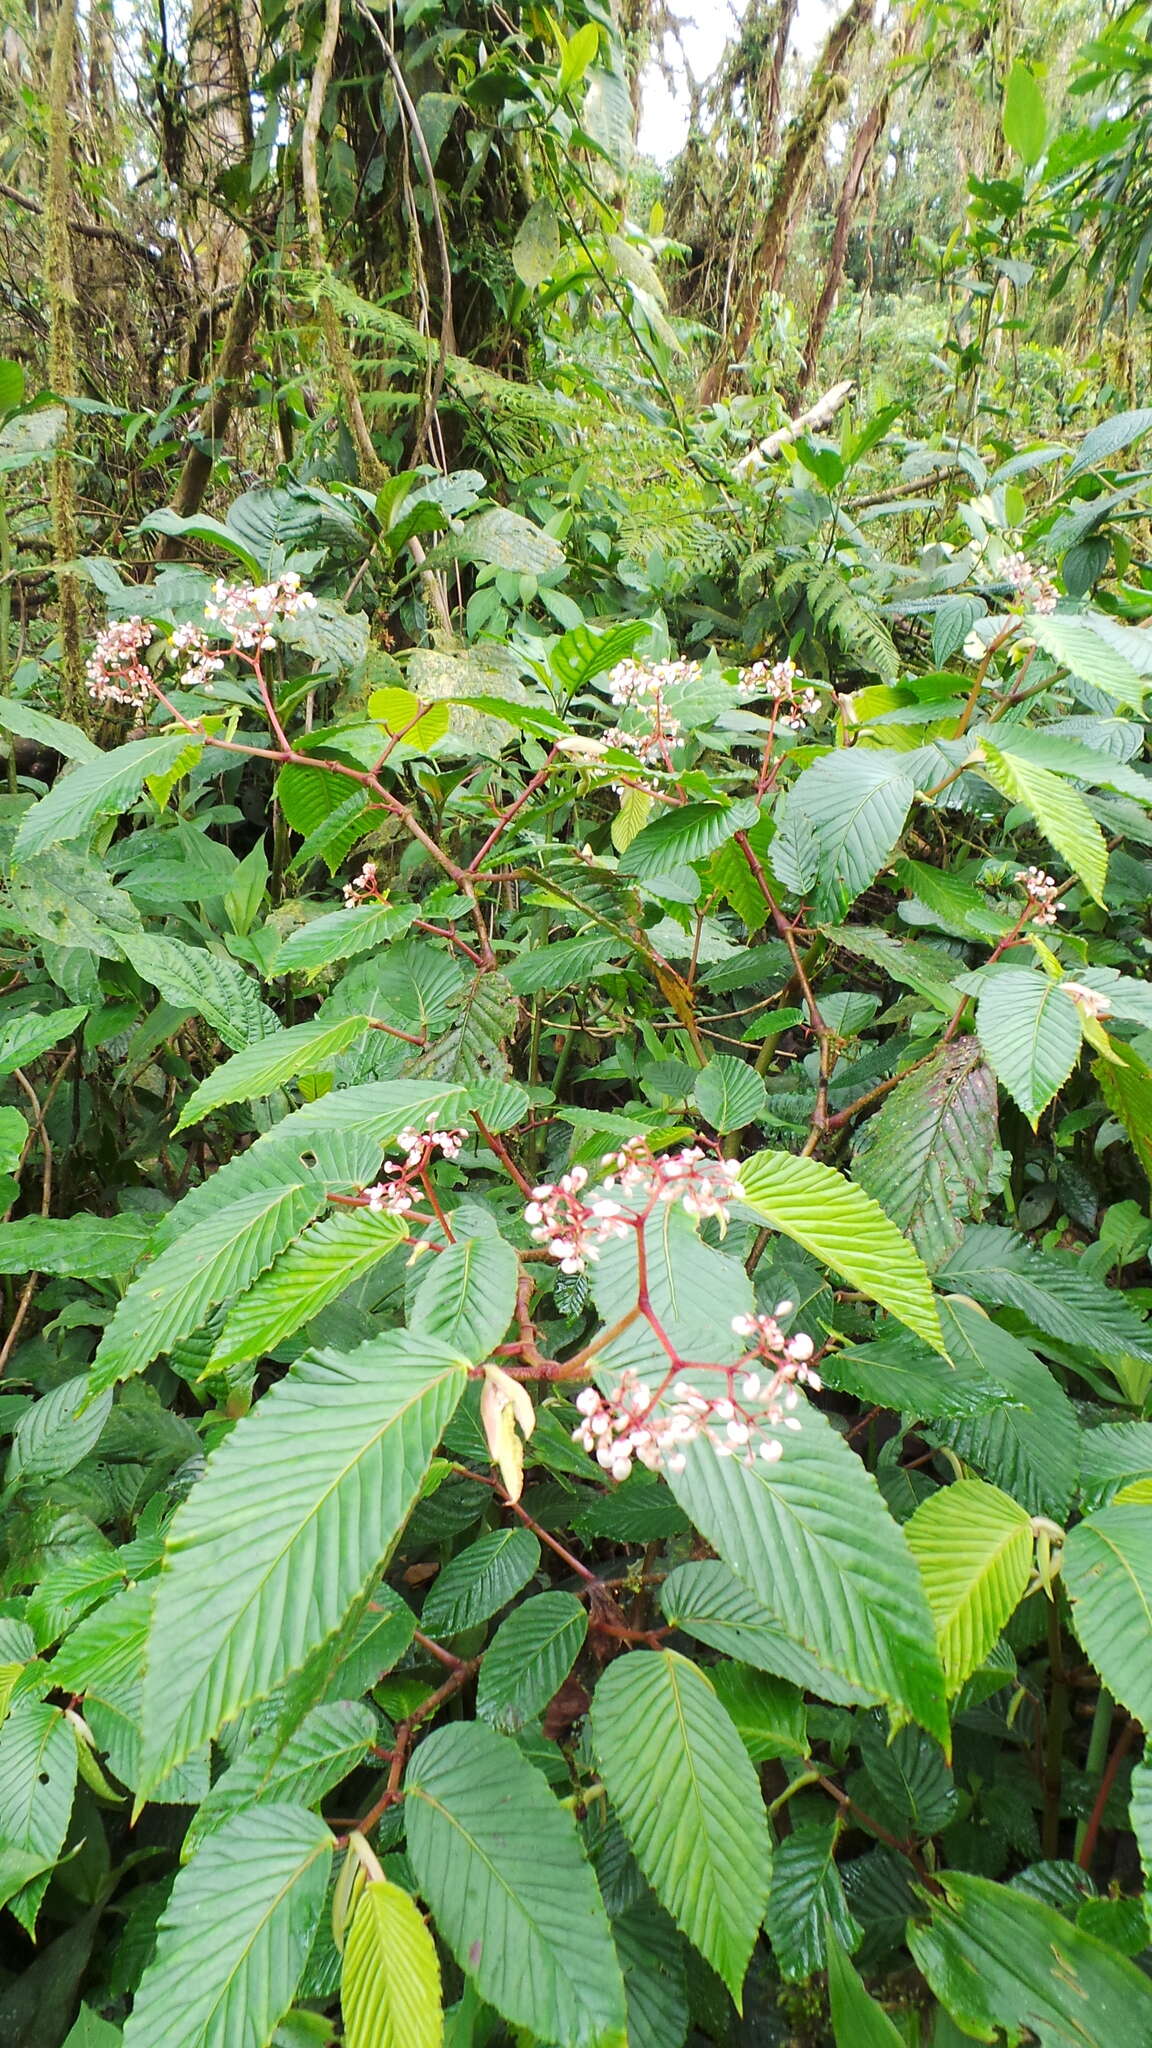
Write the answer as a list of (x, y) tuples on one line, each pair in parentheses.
[(973, 1546), (845, 1229), (1059, 810), (1025, 117), (271, 1063), (98, 789), (37, 1783), (687, 1797), (928, 1154), (327, 1257), (235, 1934), (480, 1580), (217, 1258), (1031, 1035), (312, 1488), (857, 2020), (807, 1902), (812, 1539), (390, 1984), (1108, 1575), (528, 1659), (997, 1958), (501, 1864), (468, 1295)]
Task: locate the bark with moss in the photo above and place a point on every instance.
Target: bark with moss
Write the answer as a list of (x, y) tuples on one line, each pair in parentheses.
[(60, 291)]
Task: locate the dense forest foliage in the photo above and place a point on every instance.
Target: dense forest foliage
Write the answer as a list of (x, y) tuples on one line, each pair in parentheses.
[(575, 1032)]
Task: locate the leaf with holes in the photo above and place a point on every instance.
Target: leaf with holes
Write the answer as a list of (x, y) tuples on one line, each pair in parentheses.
[(235, 1934), (687, 1797), (973, 1546), (844, 1228), (37, 1783), (313, 1487), (501, 1864)]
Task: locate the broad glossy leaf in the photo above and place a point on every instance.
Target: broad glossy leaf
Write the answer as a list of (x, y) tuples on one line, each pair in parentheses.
[(37, 1783), (811, 1537), (844, 1228), (1105, 663), (500, 1863), (1108, 1574), (311, 1488), (807, 1898), (98, 789), (1030, 1031), (927, 1157), (528, 1659), (390, 1984), (310, 1272), (687, 1797), (273, 1061), (1059, 810), (468, 1295), (907, 1784), (55, 733), (974, 1548), (585, 652), (768, 1713), (235, 1934), (481, 1580), (566, 963), (998, 1959), (217, 1258)]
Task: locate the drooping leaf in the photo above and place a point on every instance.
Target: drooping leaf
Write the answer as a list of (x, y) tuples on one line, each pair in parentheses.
[(216, 1259), (310, 1272), (688, 1800), (806, 1900), (857, 2020), (973, 1546), (235, 1934), (844, 1228), (500, 1863), (528, 1659), (98, 789), (390, 1984), (536, 250), (1030, 1031), (1059, 810), (1108, 1574), (82, 1247), (468, 1295), (55, 733), (996, 1958), (481, 1580), (314, 1485), (927, 1157), (1028, 1443), (1051, 1288)]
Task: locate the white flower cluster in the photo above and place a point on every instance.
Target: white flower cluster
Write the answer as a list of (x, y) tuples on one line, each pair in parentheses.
[(1041, 891), (247, 610), (114, 671), (574, 1229), (361, 886), (1034, 588), (394, 1196), (632, 1424), (192, 648), (1091, 1001), (781, 680), (632, 681)]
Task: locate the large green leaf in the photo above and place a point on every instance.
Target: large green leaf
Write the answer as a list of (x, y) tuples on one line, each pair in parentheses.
[(1030, 1031), (690, 832), (974, 1549), (468, 1295), (481, 1580), (271, 1062), (23, 1038), (730, 1093), (294, 1516), (1024, 117), (1028, 1444), (37, 1783), (218, 1258), (651, 1953), (54, 733), (812, 1538), (997, 1958), (500, 1863), (82, 1247), (192, 978), (1082, 649), (317, 1756), (235, 1934), (1108, 1573), (310, 1272), (845, 1229), (58, 1431), (807, 1898), (928, 1156), (687, 1797), (99, 789), (709, 1602), (856, 802), (857, 2020), (1059, 810), (390, 1984), (528, 1659), (1052, 1289), (341, 934), (1126, 1085)]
